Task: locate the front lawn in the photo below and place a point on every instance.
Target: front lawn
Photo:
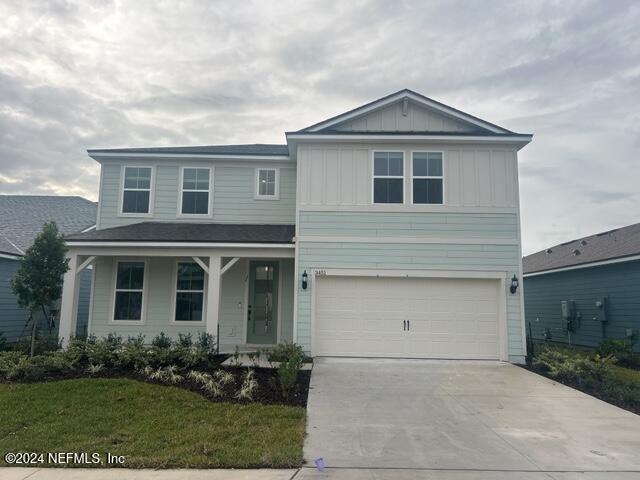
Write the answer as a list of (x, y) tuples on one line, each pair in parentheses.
[(598, 373), (153, 426)]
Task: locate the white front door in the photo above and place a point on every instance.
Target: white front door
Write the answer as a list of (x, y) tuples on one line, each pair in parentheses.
[(407, 317)]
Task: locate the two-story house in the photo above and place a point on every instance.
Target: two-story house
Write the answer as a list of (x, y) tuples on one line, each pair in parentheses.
[(391, 230)]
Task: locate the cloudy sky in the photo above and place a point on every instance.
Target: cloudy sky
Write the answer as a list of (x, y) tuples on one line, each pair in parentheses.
[(75, 75)]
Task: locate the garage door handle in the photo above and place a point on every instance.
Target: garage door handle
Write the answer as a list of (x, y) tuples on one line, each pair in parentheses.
[(404, 325)]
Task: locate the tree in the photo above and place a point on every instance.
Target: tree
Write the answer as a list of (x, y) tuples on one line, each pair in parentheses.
[(38, 282)]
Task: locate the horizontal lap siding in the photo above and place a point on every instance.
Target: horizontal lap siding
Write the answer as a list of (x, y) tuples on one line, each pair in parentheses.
[(620, 283), (233, 196)]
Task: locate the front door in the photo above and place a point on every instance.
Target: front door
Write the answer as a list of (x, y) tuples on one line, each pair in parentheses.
[(262, 310)]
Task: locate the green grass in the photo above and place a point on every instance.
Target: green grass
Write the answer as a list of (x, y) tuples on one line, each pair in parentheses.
[(153, 426)]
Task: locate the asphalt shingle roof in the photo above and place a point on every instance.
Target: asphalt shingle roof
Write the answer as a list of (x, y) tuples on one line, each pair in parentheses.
[(249, 149), (191, 232), (22, 218), (618, 243)]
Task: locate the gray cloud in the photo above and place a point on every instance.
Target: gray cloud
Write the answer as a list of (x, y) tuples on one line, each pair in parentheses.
[(75, 75)]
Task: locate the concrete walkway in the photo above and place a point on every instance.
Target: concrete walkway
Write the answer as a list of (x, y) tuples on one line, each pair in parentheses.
[(461, 420)]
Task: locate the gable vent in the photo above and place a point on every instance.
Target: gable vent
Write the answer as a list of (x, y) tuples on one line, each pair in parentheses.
[(405, 106), (548, 251), (576, 252)]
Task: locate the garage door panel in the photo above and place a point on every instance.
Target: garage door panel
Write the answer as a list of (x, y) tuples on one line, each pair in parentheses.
[(449, 318)]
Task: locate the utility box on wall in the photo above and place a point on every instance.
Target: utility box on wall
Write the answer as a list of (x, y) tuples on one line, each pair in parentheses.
[(568, 315)]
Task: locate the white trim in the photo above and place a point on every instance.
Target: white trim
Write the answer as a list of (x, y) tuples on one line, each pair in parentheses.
[(174, 295), (181, 191), (151, 191), (408, 138), (194, 156), (91, 294), (228, 265), (8, 256), (630, 258), (88, 229), (101, 187), (109, 243), (398, 207), (276, 187), (423, 177), (203, 265), (410, 240), (145, 291), (503, 334), (86, 263), (373, 176), (417, 99)]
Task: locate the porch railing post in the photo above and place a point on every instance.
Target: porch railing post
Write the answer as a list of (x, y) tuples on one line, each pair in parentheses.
[(213, 295), (69, 301)]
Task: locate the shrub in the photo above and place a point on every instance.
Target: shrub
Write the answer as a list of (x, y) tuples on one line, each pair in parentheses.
[(572, 367), (44, 344), (161, 341), (19, 366), (134, 354), (248, 387), (12, 364), (622, 350), (288, 374), (284, 351), (104, 351)]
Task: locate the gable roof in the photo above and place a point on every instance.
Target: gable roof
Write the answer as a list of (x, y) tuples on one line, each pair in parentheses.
[(22, 218), (398, 96), (179, 232), (613, 244), (257, 149)]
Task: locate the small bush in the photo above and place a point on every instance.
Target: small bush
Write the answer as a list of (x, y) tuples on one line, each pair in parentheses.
[(284, 351), (248, 388), (133, 355), (288, 374), (44, 344), (16, 366), (104, 351), (161, 341), (622, 350)]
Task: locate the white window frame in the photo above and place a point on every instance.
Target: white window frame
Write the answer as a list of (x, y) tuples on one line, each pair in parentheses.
[(174, 295), (181, 190), (374, 176), (276, 189), (145, 286), (419, 177), (151, 191)]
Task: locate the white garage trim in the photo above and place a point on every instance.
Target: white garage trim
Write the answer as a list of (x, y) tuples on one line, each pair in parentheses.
[(317, 273)]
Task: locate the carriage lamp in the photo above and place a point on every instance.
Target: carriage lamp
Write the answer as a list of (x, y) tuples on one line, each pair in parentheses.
[(305, 277), (514, 284)]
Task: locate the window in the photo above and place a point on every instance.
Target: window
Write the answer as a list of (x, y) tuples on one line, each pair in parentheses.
[(137, 190), (427, 177), (267, 183), (189, 292), (388, 177), (129, 291), (195, 191)]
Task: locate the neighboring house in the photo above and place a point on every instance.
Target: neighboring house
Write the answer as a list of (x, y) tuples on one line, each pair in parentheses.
[(392, 230), (21, 220), (587, 290)]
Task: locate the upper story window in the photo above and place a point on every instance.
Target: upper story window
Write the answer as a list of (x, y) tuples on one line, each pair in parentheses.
[(388, 177), (136, 194), (427, 178), (267, 180), (189, 292), (196, 186), (129, 291)]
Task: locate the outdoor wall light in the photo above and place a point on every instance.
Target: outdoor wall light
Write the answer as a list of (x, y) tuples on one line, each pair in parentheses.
[(514, 284), (305, 277)]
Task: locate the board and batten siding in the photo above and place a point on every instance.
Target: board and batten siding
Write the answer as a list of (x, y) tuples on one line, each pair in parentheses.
[(13, 318), (233, 194), (340, 176), (415, 119), (159, 306), (619, 283)]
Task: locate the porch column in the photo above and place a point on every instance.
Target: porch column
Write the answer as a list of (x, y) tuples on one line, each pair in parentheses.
[(213, 296), (69, 301)]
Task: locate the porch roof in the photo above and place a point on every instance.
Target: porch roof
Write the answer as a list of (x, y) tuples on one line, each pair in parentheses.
[(183, 232)]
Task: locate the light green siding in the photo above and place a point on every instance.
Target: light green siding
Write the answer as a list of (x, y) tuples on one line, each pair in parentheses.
[(233, 196), (486, 257), (159, 303)]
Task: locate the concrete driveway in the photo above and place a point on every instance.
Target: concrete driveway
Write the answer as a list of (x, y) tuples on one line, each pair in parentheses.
[(371, 418)]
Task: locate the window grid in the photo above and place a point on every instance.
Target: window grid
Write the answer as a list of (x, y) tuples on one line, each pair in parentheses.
[(387, 176), (179, 291), (267, 178), (128, 290), (128, 188), (196, 188), (428, 156)]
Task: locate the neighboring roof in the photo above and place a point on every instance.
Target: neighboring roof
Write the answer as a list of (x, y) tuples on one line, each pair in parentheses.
[(190, 232), (259, 149), (613, 244), (429, 102), (22, 218)]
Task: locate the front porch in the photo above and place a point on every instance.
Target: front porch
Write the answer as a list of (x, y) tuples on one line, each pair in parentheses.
[(241, 293)]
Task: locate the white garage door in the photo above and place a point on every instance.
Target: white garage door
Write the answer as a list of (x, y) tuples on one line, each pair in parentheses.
[(406, 317)]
